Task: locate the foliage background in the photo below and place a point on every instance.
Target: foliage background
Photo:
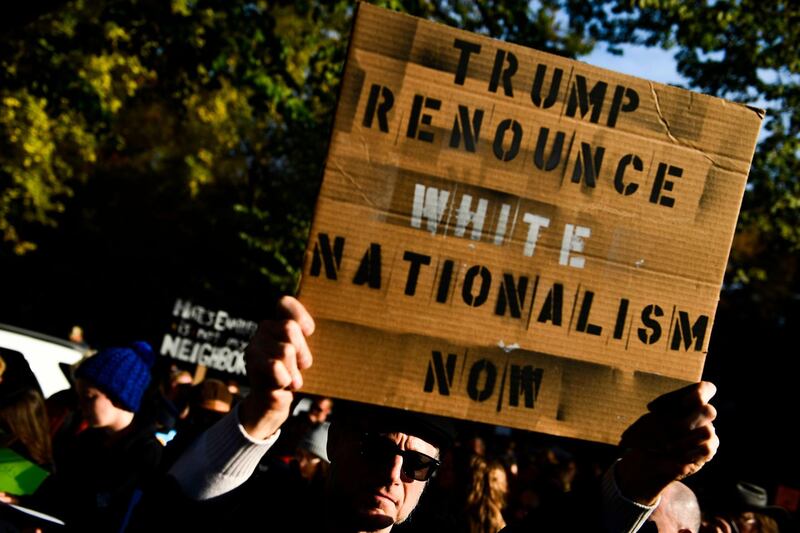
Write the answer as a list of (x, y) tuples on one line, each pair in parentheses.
[(155, 149)]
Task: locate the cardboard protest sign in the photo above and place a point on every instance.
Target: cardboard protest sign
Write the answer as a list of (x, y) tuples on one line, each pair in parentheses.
[(512, 237), (209, 337)]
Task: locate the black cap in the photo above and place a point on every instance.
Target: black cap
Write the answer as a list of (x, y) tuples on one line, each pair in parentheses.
[(436, 430)]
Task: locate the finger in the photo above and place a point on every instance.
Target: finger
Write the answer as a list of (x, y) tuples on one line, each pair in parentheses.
[(684, 399), (289, 331), (294, 334), (693, 460), (262, 347), (279, 376), (677, 427), (289, 359), (291, 309), (707, 391), (663, 430), (261, 354), (705, 415), (702, 454), (698, 437)]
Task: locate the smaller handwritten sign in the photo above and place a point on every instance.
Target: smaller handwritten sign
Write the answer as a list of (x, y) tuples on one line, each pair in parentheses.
[(18, 476), (209, 337)]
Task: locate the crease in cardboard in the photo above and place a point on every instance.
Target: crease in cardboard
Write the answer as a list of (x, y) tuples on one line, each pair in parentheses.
[(355, 182), (674, 139)]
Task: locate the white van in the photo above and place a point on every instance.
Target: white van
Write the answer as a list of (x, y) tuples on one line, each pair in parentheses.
[(45, 355)]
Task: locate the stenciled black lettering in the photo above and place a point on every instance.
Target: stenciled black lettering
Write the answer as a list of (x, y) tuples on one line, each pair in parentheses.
[(467, 48), (619, 177), (579, 98), (555, 151), (440, 373), (652, 333), (382, 109), (588, 165), (416, 260), (524, 381), (660, 183), (511, 295), (369, 270), (470, 129), (485, 371), (583, 325), (417, 117), (325, 255), (469, 280), (445, 280), (538, 82), (553, 304), (501, 70), (622, 315), (616, 103), (686, 331), (499, 138)]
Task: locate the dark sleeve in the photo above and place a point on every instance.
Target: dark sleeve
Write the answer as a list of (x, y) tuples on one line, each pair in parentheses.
[(603, 509), (271, 498)]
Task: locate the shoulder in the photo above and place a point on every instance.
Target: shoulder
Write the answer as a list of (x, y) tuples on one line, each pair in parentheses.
[(141, 442)]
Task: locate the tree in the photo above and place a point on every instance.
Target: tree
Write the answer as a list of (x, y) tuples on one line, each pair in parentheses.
[(747, 51), (151, 150), (225, 106), (222, 100), (222, 106)]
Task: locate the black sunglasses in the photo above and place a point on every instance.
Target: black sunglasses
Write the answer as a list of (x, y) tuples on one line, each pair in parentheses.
[(379, 450)]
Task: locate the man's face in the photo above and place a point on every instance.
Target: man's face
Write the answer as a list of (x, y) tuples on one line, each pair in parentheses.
[(368, 478), (320, 410)]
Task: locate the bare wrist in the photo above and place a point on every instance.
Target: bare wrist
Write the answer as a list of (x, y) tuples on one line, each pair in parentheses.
[(635, 481), (258, 420)]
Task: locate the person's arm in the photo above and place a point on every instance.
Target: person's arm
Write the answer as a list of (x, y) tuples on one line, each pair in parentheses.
[(621, 514), (226, 455), (672, 441), (220, 460)]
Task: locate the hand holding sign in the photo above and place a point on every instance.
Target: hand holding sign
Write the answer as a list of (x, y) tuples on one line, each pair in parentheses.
[(275, 358), (672, 441)]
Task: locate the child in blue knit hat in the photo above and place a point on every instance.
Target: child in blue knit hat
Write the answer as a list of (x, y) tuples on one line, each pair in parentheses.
[(111, 384), (99, 471)]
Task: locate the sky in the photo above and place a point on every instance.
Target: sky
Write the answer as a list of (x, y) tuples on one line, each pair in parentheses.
[(653, 64)]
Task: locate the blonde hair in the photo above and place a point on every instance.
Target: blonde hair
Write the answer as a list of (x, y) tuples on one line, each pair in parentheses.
[(487, 496)]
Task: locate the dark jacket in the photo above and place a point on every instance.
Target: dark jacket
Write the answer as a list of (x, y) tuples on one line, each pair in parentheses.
[(98, 477)]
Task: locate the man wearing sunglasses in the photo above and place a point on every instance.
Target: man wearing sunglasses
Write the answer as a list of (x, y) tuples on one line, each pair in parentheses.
[(380, 464), (381, 459)]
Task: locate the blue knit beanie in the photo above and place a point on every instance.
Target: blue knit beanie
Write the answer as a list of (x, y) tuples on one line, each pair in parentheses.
[(121, 373)]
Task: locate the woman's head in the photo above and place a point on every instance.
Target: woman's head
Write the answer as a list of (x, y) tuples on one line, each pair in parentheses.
[(24, 419), (487, 495), (489, 481)]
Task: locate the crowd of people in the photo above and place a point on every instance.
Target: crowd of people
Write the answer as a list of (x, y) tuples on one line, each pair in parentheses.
[(139, 446)]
